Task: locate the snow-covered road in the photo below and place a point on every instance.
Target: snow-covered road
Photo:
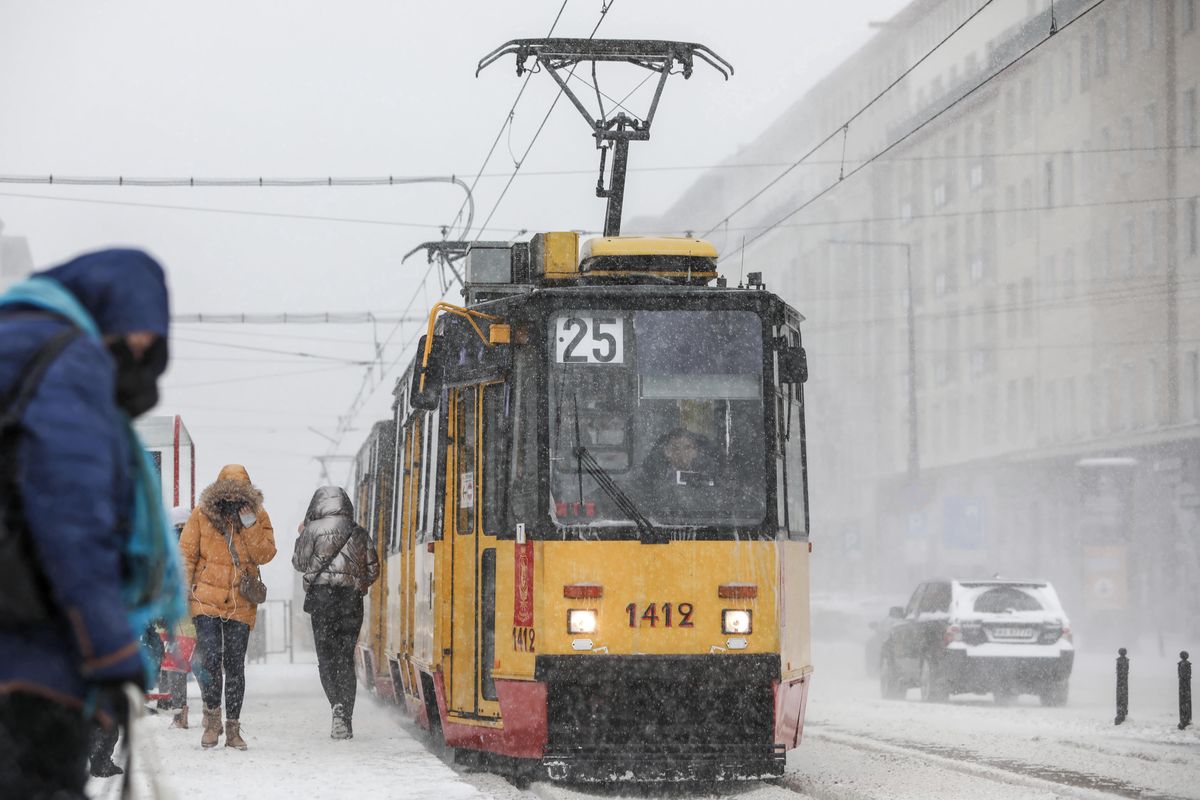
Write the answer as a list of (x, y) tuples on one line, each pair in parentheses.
[(856, 746)]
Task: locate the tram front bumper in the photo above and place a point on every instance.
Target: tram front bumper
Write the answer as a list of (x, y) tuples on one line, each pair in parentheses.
[(660, 718)]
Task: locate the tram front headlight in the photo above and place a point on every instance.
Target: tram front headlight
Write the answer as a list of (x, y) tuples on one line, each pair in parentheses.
[(736, 620), (581, 620)]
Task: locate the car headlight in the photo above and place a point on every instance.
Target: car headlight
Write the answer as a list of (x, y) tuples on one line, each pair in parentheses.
[(735, 621), (581, 620)]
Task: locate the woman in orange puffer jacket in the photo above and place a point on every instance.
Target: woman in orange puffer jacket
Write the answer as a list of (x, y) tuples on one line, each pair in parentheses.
[(229, 517)]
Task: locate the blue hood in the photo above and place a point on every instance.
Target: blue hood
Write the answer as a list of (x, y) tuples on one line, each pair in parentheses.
[(123, 290)]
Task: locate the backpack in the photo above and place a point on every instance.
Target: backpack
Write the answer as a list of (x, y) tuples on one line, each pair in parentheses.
[(25, 597)]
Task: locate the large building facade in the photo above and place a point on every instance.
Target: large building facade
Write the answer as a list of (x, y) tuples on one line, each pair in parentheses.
[(1045, 227)]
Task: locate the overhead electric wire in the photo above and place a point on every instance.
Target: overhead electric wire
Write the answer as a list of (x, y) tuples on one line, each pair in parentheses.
[(508, 119), (604, 9), (294, 353), (260, 377), (921, 126), (844, 128)]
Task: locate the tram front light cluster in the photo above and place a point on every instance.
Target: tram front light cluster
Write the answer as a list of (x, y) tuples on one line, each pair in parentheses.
[(736, 621), (581, 620)]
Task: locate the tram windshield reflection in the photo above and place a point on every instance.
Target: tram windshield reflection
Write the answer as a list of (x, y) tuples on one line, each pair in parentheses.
[(666, 407)]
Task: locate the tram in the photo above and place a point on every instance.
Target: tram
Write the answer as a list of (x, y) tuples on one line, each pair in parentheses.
[(591, 508), (591, 501)]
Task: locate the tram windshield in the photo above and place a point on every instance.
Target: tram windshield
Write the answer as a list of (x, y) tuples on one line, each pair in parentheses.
[(657, 417)]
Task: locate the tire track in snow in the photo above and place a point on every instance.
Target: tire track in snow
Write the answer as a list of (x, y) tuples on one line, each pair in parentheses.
[(963, 760)]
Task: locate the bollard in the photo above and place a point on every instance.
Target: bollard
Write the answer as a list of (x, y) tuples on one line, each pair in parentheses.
[(1122, 687), (1185, 691)]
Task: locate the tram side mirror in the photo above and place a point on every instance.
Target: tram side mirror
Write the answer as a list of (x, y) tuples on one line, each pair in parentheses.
[(793, 364), (428, 398)]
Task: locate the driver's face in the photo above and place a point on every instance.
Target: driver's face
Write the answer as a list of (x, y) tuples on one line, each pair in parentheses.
[(681, 452)]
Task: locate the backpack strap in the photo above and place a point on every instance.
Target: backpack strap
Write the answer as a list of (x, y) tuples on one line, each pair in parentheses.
[(17, 399)]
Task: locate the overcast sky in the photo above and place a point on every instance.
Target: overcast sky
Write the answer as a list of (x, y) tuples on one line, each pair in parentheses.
[(354, 88)]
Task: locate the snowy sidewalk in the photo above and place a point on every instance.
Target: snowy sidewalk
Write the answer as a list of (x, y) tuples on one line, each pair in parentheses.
[(285, 721)]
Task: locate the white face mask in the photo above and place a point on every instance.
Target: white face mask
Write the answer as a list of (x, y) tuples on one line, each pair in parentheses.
[(248, 518)]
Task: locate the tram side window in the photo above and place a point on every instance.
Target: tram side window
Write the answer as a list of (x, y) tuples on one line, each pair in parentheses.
[(407, 477), (792, 491), (495, 457), (524, 464), (431, 455), (464, 441)]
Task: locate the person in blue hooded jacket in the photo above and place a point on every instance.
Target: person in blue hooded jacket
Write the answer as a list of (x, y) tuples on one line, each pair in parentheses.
[(76, 476)]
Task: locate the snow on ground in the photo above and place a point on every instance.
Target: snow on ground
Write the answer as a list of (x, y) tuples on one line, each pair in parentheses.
[(1077, 747), (856, 746), (285, 722)]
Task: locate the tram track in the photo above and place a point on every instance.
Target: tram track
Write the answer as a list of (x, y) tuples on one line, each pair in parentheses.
[(963, 761)]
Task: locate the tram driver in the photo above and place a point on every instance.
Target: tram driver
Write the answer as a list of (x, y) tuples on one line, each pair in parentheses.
[(681, 470)]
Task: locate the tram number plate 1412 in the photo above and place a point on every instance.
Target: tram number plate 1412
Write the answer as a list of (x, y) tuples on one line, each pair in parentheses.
[(671, 616)]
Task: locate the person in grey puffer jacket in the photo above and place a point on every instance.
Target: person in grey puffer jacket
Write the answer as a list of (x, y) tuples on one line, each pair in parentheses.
[(339, 563)]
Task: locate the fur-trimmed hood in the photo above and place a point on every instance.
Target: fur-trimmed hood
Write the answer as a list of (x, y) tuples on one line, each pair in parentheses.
[(232, 485)]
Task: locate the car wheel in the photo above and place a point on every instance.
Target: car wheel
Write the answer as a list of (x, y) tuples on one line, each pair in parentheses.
[(1055, 693), (933, 682), (889, 680)]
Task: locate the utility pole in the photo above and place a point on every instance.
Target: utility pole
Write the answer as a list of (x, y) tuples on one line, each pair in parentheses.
[(914, 452)]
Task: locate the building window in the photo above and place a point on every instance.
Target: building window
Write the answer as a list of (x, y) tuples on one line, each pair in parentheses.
[(1010, 310), (975, 177), (1027, 307), (1194, 382), (1151, 119), (1085, 62), (1148, 24), (1128, 416), (906, 211), (1152, 240), (1068, 179), (1127, 141), (1048, 185), (1010, 408), (1010, 218), (1125, 31), (1070, 426), (1130, 249), (1068, 276), (1101, 48), (1028, 404), (1067, 70), (977, 268), (1051, 279), (1049, 431), (1191, 125), (1193, 225), (939, 195), (1154, 396), (1187, 9)]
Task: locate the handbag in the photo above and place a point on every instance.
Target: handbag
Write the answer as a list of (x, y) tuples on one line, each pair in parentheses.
[(24, 590), (250, 586), (308, 609)]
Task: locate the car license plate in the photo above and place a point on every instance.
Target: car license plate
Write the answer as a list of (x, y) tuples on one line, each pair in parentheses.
[(1012, 633)]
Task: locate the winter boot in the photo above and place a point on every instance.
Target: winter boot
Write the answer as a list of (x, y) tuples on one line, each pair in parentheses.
[(341, 725), (233, 734), (103, 767), (180, 718), (212, 727)]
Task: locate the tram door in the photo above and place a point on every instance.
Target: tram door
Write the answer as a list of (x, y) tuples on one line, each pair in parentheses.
[(472, 613)]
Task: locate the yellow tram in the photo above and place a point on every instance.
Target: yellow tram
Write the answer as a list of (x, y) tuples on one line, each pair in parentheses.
[(591, 508)]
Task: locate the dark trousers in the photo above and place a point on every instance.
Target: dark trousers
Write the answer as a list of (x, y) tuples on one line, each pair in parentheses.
[(337, 616), (104, 741), (175, 684), (222, 644), (43, 749)]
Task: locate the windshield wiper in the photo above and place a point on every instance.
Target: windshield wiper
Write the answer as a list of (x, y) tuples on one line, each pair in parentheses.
[(599, 474)]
